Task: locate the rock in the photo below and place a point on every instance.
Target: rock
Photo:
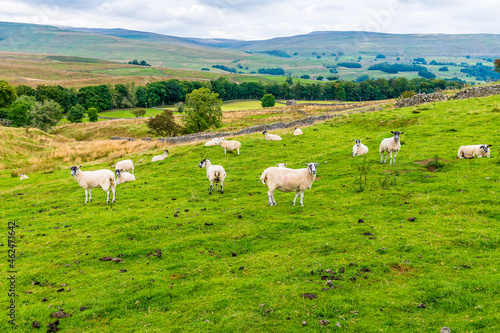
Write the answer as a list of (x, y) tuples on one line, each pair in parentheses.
[(304, 323), (445, 330)]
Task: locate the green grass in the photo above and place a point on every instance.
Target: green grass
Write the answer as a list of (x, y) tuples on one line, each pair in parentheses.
[(136, 71), (247, 274), (128, 113)]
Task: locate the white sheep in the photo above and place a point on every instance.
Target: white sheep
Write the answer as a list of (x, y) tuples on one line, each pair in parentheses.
[(229, 145), (123, 177), (390, 145), (211, 142), (289, 180), (160, 157), (104, 179), (125, 166), (281, 165), (474, 151), (23, 176), (271, 137), (215, 173), (359, 148), (297, 131)]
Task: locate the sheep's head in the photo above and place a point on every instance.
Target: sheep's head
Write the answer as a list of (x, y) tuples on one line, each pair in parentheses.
[(117, 173), (397, 134), (203, 163), (358, 142), (217, 141), (264, 132), (74, 170), (312, 167), (485, 148)]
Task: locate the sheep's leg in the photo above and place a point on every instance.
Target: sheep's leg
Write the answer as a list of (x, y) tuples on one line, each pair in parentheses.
[(224, 150), (211, 187), (296, 195), (90, 194), (270, 198), (221, 189), (302, 198), (381, 157), (86, 200), (107, 199), (394, 160), (390, 159), (114, 193)]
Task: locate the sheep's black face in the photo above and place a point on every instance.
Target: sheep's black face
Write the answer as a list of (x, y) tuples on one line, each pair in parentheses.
[(358, 142), (202, 163), (485, 148), (74, 170), (264, 132), (312, 167), (117, 173)]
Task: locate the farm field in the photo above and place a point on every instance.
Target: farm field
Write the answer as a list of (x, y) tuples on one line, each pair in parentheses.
[(406, 248)]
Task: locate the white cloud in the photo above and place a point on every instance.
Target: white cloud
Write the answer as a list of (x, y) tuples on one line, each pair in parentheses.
[(258, 19)]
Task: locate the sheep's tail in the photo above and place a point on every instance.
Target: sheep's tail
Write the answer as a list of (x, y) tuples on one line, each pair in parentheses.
[(263, 178), (217, 176), (112, 181)]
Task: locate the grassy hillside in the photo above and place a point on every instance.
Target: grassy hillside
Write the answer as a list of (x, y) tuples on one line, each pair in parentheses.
[(405, 248)]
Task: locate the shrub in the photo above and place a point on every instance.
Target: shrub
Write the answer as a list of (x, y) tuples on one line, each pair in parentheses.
[(76, 114), (139, 113), (92, 113), (164, 124), (267, 101), (203, 111)]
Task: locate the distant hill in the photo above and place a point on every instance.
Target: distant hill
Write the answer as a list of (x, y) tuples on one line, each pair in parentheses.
[(316, 54)]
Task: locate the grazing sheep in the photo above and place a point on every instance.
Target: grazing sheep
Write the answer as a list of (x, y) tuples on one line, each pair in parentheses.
[(23, 176), (229, 145), (289, 180), (211, 142), (215, 173), (123, 177), (359, 148), (271, 137), (104, 179), (474, 151), (390, 145), (160, 157), (125, 166), (297, 131)]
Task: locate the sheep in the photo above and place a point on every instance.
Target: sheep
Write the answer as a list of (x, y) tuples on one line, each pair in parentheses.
[(215, 173), (160, 157), (297, 131), (289, 180), (229, 145), (23, 176), (271, 137), (359, 148), (125, 166), (281, 165), (390, 145), (474, 151), (104, 179), (211, 142), (123, 177)]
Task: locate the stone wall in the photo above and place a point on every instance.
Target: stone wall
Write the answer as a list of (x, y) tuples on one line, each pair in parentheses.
[(471, 92)]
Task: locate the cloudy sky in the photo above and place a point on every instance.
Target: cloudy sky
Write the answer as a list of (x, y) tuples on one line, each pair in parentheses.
[(260, 19)]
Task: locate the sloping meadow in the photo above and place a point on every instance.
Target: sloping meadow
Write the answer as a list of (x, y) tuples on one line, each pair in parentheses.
[(405, 248)]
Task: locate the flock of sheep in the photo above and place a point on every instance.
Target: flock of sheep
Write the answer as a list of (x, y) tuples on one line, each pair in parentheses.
[(278, 178)]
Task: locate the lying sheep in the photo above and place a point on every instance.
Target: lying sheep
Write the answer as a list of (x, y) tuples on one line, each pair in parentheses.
[(271, 137), (160, 157), (104, 179), (211, 142), (229, 145), (359, 148), (289, 180), (123, 177), (23, 176), (215, 173), (474, 151), (390, 145), (125, 166), (297, 131)]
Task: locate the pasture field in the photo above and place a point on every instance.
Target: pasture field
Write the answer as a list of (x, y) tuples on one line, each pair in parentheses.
[(376, 248)]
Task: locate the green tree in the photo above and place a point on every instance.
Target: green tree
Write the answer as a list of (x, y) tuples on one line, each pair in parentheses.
[(19, 110), (267, 101), (76, 114), (25, 90), (164, 124), (7, 94), (497, 65), (289, 81), (92, 113), (44, 115), (203, 111), (139, 113)]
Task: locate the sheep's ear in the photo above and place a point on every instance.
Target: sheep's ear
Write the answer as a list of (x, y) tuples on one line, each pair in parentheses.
[(80, 167), (490, 145), (316, 164), (402, 133), (392, 132)]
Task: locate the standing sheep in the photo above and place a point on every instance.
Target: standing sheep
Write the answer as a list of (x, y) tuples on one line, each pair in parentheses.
[(160, 157), (297, 131), (23, 176), (229, 145), (359, 148), (215, 173), (123, 177), (390, 145), (474, 151), (104, 179), (125, 166), (289, 180), (271, 137)]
